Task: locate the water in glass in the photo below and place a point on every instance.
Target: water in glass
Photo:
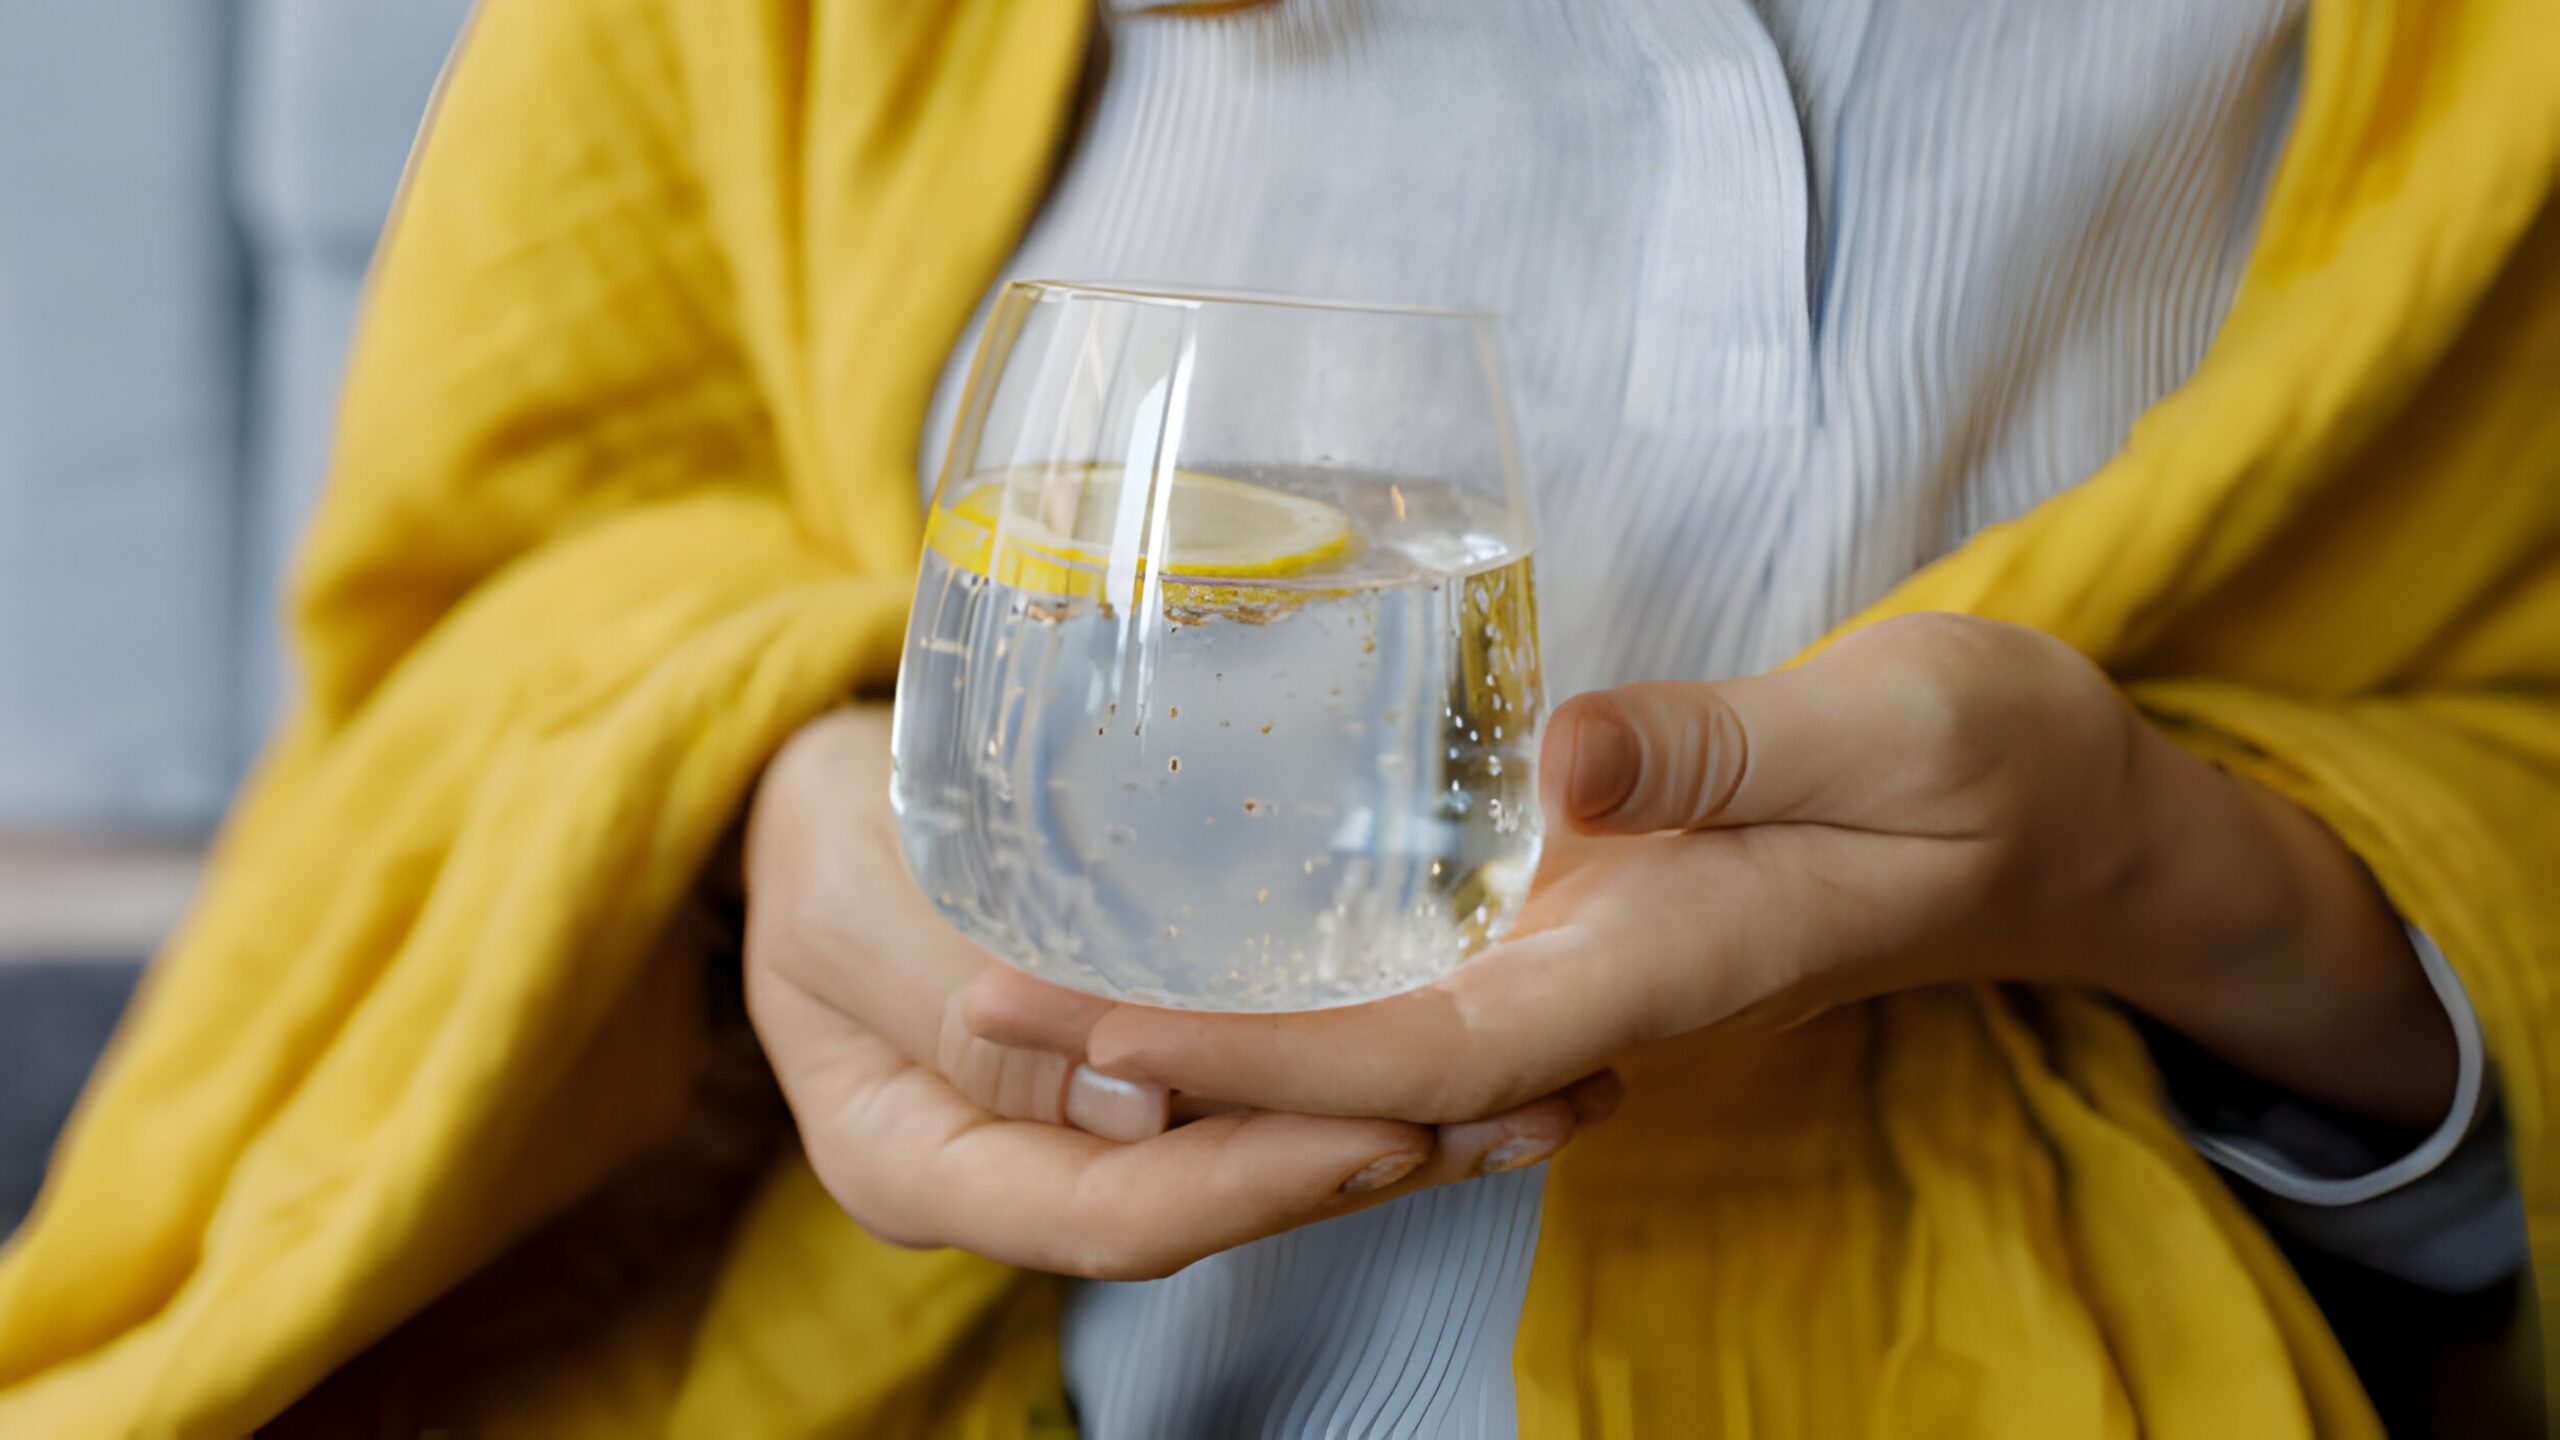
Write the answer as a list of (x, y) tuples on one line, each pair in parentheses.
[(1291, 767)]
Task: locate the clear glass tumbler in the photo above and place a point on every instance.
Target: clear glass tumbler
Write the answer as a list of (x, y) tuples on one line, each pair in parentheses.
[(1221, 690)]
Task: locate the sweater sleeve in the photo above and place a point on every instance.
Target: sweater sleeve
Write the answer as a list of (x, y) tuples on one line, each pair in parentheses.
[(2438, 1209)]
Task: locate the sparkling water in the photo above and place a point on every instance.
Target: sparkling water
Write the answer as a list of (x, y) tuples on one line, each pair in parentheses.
[(1265, 794)]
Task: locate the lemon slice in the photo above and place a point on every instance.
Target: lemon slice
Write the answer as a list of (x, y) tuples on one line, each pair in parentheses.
[(1053, 530)]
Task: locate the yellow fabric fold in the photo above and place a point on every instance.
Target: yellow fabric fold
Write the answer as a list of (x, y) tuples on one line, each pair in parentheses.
[(625, 493), (620, 500)]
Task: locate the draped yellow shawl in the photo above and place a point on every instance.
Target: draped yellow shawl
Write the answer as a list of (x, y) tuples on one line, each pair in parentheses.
[(625, 493)]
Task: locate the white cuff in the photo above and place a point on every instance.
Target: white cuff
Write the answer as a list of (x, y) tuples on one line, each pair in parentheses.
[(2252, 1159)]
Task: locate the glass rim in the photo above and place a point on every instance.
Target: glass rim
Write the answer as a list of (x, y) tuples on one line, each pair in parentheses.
[(1191, 298)]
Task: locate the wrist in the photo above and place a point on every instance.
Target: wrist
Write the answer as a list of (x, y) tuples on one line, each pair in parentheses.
[(2209, 898), (2243, 922)]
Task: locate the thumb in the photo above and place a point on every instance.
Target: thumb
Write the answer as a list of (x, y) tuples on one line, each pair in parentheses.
[(1692, 755)]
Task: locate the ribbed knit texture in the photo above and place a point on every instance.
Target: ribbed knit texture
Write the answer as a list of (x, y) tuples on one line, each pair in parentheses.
[(1800, 293)]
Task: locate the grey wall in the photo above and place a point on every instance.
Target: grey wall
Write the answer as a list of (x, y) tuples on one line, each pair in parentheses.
[(189, 192)]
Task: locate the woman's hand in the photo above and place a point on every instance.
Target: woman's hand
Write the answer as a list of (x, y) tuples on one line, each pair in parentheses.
[(930, 1136), (1936, 799)]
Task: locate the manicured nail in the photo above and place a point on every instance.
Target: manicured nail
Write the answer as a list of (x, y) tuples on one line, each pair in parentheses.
[(1514, 1154), (1382, 1172), (1113, 1108), (1607, 758)]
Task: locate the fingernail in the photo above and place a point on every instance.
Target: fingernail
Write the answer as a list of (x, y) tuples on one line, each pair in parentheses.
[(1514, 1154), (1113, 1108), (1382, 1172), (1607, 759)]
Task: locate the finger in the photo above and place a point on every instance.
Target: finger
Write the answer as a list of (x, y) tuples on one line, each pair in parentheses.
[(1147, 1209), (1144, 1210), (1021, 1084), (1187, 1108), (1593, 1099), (919, 1165), (1013, 1083), (914, 1161), (1684, 755), (1517, 1138), (1563, 851), (1009, 1012), (831, 900), (1010, 1008), (1520, 1021)]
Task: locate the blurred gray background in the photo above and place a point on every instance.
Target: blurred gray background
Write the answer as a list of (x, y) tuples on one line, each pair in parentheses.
[(190, 191)]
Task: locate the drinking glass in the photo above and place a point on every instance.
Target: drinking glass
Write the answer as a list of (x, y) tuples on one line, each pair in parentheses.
[(1221, 689)]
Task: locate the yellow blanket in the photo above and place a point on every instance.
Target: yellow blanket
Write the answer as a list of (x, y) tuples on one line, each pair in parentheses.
[(625, 493)]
